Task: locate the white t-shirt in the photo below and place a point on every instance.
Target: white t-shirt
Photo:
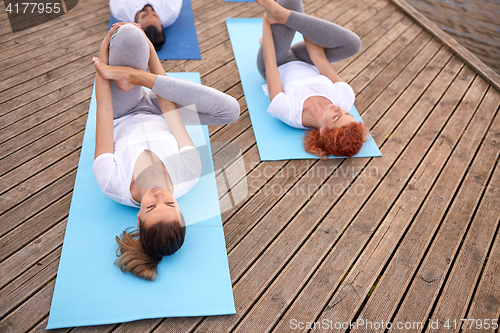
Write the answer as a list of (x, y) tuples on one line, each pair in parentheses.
[(132, 135), (300, 81), (125, 10)]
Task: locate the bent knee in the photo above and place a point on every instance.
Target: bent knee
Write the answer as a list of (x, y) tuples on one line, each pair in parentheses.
[(355, 44), (233, 112), (129, 47)]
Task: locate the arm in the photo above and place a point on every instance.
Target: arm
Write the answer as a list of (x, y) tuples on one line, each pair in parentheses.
[(272, 73), (169, 109), (104, 140), (104, 136), (319, 59)]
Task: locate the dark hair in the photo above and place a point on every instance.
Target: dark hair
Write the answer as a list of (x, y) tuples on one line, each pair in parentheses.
[(141, 250), (157, 37), (343, 141)]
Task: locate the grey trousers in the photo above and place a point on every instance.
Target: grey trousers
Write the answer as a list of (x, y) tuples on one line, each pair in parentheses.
[(339, 43), (129, 47)]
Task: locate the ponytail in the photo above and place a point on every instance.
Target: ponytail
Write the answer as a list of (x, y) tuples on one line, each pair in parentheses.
[(141, 250), (132, 257)]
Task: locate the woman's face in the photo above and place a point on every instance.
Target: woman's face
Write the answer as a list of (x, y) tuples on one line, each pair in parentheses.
[(335, 117), (147, 16), (158, 205)]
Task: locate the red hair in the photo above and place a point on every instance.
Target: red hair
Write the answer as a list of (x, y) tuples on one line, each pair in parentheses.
[(343, 141)]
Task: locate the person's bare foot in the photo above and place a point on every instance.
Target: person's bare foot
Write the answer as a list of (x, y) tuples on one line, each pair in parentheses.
[(275, 13), (117, 73)]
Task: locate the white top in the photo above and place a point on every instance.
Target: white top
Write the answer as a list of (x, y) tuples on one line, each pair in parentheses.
[(132, 135), (125, 10), (300, 81)]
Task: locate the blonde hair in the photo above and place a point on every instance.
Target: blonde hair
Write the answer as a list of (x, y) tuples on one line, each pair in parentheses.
[(141, 250)]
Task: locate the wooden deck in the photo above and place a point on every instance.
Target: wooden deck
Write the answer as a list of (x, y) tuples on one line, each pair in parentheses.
[(408, 237)]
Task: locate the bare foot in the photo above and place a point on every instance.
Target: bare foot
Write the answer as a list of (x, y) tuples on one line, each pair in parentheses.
[(117, 73), (275, 13)]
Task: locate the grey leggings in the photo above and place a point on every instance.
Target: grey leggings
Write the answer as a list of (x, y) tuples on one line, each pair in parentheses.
[(129, 47), (339, 43)]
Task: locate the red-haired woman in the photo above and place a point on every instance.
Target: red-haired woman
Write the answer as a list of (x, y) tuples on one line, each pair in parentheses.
[(304, 89)]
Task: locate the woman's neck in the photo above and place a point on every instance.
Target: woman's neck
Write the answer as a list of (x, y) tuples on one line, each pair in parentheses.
[(312, 111), (149, 172)]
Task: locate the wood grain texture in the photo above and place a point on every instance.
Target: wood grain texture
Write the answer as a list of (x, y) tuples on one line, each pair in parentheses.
[(307, 239)]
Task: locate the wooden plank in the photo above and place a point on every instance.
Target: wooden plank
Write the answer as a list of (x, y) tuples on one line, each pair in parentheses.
[(38, 182), (378, 19), (369, 55), (257, 239), (371, 39), (28, 283), (390, 63), (385, 58), (57, 103), (397, 71), (41, 145), (390, 171), (49, 126), (33, 33), (414, 74), (77, 52), (394, 281), (457, 293), (40, 162), (42, 85), (252, 180), (486, 301), (229, 231), (32, 253), (40, 328), (248, 289), (239, 186), (30, 312), (29, 52), (432, 272), (37, 202), (351, 293), (34, 227)]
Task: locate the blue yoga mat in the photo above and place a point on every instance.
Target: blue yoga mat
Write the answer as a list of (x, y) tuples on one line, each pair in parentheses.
[(182, 41), (275, 139), (91, 290)]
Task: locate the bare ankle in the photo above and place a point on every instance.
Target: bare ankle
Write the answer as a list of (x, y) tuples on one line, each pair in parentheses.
[(284, 14)]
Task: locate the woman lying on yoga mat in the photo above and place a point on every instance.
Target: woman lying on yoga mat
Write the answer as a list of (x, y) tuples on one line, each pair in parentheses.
[(144, 156), (152, 15), (304, 89)]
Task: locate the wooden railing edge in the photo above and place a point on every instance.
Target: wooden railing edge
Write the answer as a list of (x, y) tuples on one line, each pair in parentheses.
[(458, 49)]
